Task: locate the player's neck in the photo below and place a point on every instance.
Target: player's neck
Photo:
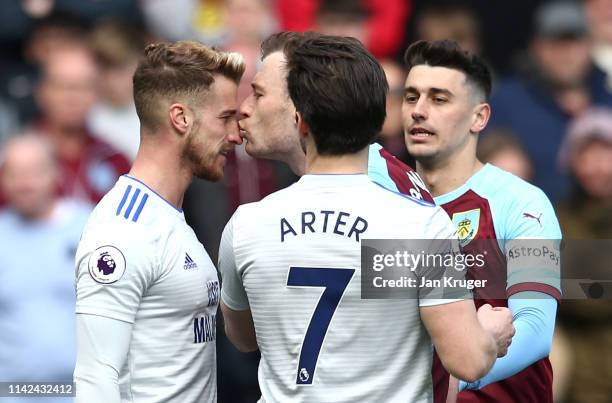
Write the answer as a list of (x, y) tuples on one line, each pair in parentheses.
[(446, 175), (296, 161), (356, 163), (162, 171)]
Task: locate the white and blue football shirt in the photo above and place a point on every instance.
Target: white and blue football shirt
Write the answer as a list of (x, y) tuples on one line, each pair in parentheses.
[(294, 260), (139, 262)]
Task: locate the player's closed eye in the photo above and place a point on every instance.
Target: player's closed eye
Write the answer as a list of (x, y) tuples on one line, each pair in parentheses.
[(411, 98)]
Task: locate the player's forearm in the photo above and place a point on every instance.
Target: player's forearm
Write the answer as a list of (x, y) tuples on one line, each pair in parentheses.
[(534, 323), (476, 357), (102, 345), (465, 348), (97, 387), (239, 328)]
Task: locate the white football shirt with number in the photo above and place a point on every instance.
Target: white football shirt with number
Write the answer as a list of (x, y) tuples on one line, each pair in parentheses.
[(139, 262), (293, 259)]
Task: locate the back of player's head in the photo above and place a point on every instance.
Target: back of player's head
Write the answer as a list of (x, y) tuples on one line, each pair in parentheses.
[(180, 71), (340, 90), (449, 54)]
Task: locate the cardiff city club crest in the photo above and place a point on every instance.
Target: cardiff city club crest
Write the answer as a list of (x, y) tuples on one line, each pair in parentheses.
[(466, 223)]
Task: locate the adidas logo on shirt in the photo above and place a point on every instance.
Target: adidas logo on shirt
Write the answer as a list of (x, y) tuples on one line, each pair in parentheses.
[(189, 263)]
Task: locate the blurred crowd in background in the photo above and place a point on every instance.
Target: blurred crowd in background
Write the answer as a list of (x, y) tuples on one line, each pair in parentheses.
[(68, 130)]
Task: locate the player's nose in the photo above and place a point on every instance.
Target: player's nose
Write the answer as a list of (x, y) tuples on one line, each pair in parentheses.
[(233, 135), (419, 112), (245, 108)]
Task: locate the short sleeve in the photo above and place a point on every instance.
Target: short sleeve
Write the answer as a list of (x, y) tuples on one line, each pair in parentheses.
[(446, 282), (233, 293), (114, 268), (532, 246)]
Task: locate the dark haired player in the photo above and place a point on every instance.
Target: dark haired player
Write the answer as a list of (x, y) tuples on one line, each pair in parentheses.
[(444, 110), (291, 262)]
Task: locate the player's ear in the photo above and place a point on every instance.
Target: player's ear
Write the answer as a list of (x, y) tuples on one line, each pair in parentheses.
[(480, 117), (302, 126), (181, 118)]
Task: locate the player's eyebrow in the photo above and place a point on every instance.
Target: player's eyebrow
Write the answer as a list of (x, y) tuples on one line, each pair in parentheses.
[(432, 91), (440, 91), (228, 112)]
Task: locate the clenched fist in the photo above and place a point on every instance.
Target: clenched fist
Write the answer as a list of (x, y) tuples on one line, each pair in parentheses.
[(498, 322)]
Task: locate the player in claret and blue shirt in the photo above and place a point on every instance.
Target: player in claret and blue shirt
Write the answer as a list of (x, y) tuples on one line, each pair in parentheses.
[(444, 110)]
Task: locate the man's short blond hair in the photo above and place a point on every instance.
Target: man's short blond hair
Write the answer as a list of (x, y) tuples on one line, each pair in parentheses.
[(180, 71)]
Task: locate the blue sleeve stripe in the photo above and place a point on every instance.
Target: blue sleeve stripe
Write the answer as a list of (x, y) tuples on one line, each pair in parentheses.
[(132, 202), (124, 199), (412, 199), (140, 207)]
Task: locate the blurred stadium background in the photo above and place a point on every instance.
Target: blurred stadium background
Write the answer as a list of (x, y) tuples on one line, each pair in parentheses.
[(68, 129)]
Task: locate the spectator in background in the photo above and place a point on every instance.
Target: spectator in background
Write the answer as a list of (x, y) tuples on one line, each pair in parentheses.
[(248, 22), (201, 20), (8, 120), (343, 18), (117, 48), (587, 154), (599, 14), (557, 82), (65, 95), (40, 233), (384, 27), (449, 19), (20, 72), (505, 151), (391, 136)]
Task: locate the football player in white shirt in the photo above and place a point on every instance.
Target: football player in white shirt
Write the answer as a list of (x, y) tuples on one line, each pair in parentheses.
[(147, 292), (290, 263)]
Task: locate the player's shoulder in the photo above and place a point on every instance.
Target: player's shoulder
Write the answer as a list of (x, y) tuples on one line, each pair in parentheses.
[(522, 208), (132, 209), (508, 188), (386, 169), (403, 201), (269, 204)]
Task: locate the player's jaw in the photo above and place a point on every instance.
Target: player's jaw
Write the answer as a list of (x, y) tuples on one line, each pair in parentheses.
[(207, 160), (251, 132)]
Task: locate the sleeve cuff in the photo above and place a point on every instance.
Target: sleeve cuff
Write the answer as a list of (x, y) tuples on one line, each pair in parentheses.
[(538, 287)]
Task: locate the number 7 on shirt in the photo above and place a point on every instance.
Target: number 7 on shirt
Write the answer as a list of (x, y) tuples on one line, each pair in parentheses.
[(335, 282)]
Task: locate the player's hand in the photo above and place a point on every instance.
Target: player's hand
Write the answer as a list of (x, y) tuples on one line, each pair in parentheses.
[(453, 389), (498, 322)]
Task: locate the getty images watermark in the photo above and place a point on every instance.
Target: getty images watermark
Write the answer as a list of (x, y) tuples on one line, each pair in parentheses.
[(491, 269)]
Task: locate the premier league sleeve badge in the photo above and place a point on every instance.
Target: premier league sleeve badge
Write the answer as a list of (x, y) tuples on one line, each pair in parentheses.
[(106, 264)]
